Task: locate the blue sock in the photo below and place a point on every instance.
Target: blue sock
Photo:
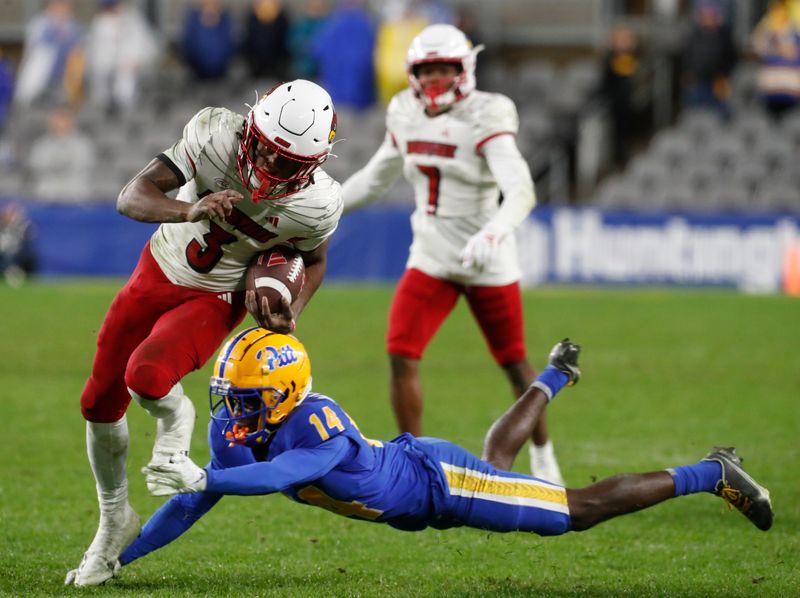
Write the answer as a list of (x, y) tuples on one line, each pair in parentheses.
[(700, 477), (550, 381)]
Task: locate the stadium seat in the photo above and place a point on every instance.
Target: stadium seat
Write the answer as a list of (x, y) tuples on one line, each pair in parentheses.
[(777, 196), (729, 196), (749, 172), (583, 75), (775, 150), (535, 80), (617, 193), (498, 78), (726, 149), (753, 127), (672, 146), (700, 125), (702, 174), (535, 123), (675, 196), (649, 172)]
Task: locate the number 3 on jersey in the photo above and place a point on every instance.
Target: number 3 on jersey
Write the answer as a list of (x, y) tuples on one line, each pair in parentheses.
[(203, 259), (434, 178)]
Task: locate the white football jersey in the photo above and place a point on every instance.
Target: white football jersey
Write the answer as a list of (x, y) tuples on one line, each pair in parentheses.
[(213, 254), (455, 192)]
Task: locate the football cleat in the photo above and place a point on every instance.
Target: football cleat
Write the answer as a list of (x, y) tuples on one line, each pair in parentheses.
[(564, 357), (100, 563), (739, 490)]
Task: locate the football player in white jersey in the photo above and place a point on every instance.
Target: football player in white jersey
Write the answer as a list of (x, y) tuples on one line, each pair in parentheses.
[(246, 184), (456, 146)]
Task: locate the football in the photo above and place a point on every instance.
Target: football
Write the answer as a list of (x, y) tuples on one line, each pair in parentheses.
[(275, 273)]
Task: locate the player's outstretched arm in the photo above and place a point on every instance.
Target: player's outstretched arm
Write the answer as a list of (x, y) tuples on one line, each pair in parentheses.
[(174, 518)]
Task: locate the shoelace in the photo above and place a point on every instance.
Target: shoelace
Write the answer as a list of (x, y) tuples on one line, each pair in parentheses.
[(735, 498)]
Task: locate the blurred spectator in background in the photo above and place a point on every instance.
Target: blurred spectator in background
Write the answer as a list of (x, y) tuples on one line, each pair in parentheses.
[(62, 161), (208, 44), (402, 21), (437, 12), (265, 46), (620, 67), (18, 258), (53, 41), (122, 50), (708, 59), (302, 32), (344, 50), (776, 41), (6, 89)]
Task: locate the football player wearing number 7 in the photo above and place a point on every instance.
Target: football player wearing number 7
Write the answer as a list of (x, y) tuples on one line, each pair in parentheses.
[(456, 146), (270, 433), (246, 184)]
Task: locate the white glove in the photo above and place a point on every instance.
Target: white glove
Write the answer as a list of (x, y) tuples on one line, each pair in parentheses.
[(180, 476), (479, 250)]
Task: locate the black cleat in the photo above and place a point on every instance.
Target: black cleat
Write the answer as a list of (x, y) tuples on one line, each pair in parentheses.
[(740, 490), (564, 357)]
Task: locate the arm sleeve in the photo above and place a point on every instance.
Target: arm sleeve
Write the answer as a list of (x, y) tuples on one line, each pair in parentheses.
[(375, 178), (513, 177), (174, 517), (295, 466)]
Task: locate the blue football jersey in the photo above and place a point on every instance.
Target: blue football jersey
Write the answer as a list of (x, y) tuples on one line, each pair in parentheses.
[(386, 482)]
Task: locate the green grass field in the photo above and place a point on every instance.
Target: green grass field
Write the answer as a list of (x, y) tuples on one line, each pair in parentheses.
[(666, 376)]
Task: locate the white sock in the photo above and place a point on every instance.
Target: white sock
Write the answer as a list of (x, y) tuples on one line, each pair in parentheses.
[(543, 462), (171, 412), (163, 407), (107, 448)]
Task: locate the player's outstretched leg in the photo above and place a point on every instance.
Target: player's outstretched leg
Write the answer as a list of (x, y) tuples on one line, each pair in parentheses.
[(107, 448), (175, 415), (510, 432), (544, 464), (720, 472)]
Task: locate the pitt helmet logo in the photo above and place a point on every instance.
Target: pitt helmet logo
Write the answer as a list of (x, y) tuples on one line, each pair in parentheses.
[(277, 357)]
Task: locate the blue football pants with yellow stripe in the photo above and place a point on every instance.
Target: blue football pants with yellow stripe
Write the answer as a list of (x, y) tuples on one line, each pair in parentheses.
[(478, 495)]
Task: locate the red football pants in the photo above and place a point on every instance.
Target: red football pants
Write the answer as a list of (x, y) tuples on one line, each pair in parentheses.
[(421, 303), (154, 333)]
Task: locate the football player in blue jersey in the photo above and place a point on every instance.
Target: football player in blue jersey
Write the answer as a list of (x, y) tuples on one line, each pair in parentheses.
[(269, 433)]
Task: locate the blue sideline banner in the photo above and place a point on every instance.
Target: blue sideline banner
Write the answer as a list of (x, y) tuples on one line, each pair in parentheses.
[(560, 245), (590, 246)]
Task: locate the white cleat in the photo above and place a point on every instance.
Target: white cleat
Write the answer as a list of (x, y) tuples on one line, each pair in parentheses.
[(99, 563), (544, 464), (174, 433)]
